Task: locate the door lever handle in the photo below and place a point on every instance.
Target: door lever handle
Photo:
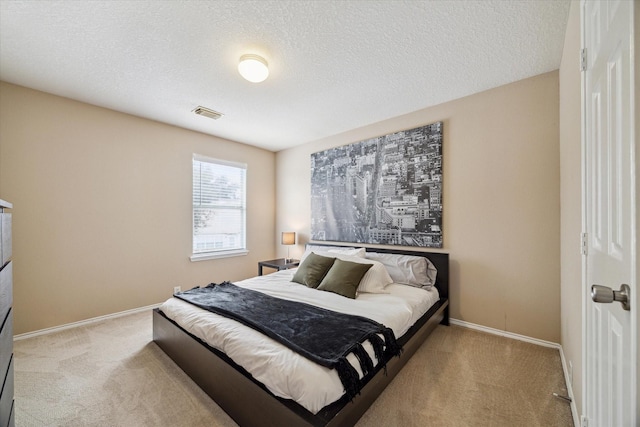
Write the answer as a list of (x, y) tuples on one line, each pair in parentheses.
[(605, 294)]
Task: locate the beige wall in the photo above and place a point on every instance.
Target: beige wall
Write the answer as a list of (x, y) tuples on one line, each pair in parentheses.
[(102, 205), (501, 201), (571, 202), (102, 208)]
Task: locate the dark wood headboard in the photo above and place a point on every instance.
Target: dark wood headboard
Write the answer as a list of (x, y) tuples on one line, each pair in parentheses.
[(440, 261)]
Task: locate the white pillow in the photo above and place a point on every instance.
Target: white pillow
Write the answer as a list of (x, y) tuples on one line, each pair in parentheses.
[(360, 252), (340, 249), (407, 269), (374, 280)]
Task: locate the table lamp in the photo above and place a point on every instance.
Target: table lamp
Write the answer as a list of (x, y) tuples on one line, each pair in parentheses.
[(288, 239)]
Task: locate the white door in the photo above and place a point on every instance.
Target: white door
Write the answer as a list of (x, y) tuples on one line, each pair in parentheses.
[(610, 381)]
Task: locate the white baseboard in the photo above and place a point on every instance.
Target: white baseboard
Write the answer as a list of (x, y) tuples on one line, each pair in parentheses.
[(567, 380), (504, 333), (574, 409), (82, 322)]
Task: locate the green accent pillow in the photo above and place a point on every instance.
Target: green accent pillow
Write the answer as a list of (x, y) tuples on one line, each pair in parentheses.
[(312, 270), (344, 277)]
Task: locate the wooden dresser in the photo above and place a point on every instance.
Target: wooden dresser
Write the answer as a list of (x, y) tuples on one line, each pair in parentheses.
[(7, 412)]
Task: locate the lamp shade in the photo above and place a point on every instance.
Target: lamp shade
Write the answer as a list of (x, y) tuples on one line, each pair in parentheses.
[(253, 68), (288, 238)]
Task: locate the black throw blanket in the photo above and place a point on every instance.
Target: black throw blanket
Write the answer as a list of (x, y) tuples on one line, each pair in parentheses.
[(323, 336)]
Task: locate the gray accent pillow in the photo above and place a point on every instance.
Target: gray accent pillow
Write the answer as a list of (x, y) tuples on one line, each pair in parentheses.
[(344, 277), (407, 269), (312, 270)]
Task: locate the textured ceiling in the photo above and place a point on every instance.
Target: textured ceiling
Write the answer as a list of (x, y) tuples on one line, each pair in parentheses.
[(335, 65)]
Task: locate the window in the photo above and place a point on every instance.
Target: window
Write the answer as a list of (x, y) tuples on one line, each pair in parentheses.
[(219, 208)]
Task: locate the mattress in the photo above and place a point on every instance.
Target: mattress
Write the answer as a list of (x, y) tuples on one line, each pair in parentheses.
[(285, 373)]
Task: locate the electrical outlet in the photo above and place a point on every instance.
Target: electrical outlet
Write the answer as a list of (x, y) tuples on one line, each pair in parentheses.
[(176, 289)]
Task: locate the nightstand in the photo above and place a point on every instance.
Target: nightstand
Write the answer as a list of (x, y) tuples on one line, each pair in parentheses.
[(278, 264)]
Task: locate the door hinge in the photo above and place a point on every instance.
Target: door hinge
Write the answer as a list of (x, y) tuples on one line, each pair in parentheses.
[(584, 421), (584, 243), (583, 59)]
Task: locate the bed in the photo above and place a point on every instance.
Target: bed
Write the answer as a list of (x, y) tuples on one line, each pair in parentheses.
[(250, 402)]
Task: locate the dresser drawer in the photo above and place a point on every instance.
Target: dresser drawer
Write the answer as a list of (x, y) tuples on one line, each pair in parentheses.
[(6, 290), (6, 398), (5, 236), (6, 345), (12, 417)]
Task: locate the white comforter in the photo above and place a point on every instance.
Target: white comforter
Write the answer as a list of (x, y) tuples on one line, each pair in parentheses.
[(284, 372)]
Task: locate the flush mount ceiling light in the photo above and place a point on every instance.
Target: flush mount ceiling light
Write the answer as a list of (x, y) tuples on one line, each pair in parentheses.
[(253, 68)]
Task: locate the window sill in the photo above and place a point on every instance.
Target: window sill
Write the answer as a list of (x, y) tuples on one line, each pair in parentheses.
[(216, 255)]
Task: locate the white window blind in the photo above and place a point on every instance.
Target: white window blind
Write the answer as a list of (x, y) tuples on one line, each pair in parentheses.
[(219, 208)]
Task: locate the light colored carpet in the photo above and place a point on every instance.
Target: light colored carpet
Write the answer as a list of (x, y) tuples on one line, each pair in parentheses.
[(110, 373)]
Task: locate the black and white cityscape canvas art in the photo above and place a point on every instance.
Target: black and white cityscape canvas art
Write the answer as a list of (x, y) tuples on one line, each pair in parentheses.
[(385, 190)]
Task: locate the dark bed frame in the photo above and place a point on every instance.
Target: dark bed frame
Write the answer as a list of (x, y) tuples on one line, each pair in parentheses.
[(249, 402)]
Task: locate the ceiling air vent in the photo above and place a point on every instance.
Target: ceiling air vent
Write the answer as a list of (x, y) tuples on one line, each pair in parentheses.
[(203, 111)]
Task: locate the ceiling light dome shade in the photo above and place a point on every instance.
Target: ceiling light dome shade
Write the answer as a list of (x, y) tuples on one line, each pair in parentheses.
[(253, 68)]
